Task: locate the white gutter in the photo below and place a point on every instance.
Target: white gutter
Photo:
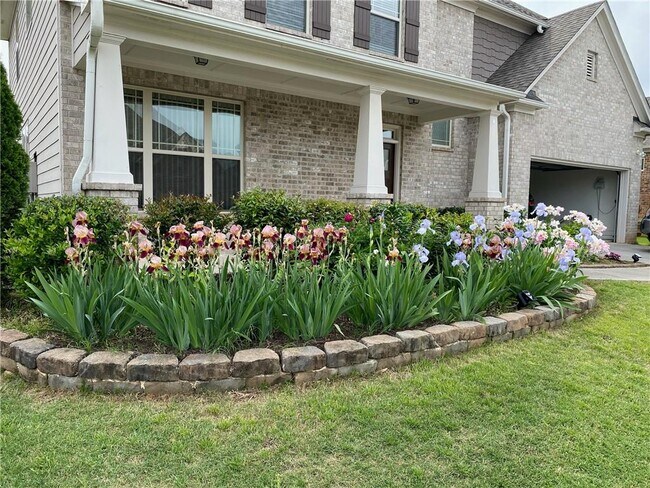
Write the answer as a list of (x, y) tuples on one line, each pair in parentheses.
[(543, 24), (96, 30), (506, 152)]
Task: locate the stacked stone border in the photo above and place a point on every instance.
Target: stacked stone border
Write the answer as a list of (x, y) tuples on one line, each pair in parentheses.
[(36, 361)]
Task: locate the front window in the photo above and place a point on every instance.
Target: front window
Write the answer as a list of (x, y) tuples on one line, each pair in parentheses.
[(441, 133), (186, 151), (384, 26), (290, 14)]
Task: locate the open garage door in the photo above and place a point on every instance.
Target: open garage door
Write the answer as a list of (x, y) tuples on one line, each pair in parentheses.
[(593, 191)]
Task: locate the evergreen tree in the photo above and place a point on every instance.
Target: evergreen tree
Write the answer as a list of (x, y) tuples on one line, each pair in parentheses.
[(14, 172)]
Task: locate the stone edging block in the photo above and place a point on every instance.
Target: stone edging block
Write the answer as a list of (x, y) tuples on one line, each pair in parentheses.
[(36, 361)]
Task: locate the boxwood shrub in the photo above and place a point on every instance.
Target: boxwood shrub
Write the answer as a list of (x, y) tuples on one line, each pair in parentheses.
[(37, 239), (185, 209)]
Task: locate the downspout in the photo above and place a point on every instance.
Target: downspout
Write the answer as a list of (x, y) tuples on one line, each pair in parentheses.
[(96, 30), (506, 152)]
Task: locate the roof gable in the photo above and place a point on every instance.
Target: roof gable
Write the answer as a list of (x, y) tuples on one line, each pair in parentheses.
[(535, 56), (524, 67)]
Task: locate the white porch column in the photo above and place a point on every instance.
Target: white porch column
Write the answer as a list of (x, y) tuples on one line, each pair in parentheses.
[(486, 164), (110, 163), (368, 180), (485, 197)]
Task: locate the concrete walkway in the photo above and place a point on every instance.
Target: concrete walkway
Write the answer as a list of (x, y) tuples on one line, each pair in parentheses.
[(624, 273), (630, 273)]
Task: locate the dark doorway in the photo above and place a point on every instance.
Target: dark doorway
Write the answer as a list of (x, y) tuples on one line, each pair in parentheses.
[(389, 166)]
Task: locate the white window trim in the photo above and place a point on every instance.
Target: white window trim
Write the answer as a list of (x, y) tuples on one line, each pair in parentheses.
[(451, 133), (399, 29), (396, 141), (147, 140)]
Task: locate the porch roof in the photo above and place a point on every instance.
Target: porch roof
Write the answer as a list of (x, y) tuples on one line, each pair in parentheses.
[(166, 38)]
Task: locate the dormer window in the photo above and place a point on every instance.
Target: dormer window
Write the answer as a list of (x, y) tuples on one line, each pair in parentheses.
[(592, 65)]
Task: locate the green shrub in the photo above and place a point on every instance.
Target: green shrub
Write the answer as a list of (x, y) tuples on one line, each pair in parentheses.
[(256, 208), (531, 269), (14, 183), (185, 209), (385, 298), (38, 237), (200, 310), (310, 300), (476, 287), (323, 211), (87, 307)]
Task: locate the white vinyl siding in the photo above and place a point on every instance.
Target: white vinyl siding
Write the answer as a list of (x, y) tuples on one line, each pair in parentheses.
[(37, 91)]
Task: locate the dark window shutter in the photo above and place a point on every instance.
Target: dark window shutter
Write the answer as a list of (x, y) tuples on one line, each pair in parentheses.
[(255, 10), (362, 23), (412, 30), (320, 25), (201, 3)]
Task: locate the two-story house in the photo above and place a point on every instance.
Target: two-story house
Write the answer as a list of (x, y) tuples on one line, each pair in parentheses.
[(445, 102)]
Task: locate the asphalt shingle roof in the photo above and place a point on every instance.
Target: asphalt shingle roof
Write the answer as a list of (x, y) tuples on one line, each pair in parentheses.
[(534, 55), (519, 8)]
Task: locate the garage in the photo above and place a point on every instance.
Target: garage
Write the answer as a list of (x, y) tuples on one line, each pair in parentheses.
[(593, 191)]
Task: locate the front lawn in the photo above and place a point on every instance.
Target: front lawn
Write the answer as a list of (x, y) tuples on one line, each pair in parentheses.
[(564, 408)]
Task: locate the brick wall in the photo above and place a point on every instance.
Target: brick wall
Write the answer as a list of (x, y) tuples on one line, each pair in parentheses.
[(445, 32), (644, 185), (71, 88), (587, 122)]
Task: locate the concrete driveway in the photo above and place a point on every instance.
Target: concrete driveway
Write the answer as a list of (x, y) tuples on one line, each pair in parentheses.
[(624, 273)]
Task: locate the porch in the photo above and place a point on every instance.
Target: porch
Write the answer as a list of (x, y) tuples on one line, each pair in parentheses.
[(214, 107)]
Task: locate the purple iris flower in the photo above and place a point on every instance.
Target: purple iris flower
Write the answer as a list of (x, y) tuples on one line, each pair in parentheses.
[(425, 225), (540, 210), (422, 253), (460, 258), (479, 223), (584, 235), (515, 216), (455, 238)]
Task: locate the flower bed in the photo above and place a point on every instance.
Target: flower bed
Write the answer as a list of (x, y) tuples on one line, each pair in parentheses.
[(204, 289), (66, 368)]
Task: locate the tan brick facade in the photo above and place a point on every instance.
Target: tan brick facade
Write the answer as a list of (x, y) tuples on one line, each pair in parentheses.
[(644, 186)]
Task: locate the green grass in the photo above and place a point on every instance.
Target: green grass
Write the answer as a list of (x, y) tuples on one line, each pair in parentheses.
[(564, 408)]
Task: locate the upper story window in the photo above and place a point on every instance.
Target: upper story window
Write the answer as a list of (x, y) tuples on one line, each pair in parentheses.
[(291, 14), (384, 26), (592, 65), (441, 133)]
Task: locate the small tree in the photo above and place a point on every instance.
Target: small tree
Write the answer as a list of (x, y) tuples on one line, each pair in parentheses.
[(14, 175)]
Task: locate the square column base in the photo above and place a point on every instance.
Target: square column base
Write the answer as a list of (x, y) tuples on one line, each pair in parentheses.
[(490, 208), (369, 199), (126, 193)]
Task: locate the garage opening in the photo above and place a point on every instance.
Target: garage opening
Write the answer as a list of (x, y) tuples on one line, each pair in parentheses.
[(593, 191)]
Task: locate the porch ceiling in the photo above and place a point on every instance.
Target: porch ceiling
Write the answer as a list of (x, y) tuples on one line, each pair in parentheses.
[(164, 38), (182, 63)]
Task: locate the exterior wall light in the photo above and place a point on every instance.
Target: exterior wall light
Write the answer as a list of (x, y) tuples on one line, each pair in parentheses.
[(200, 61), (413, 101)]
